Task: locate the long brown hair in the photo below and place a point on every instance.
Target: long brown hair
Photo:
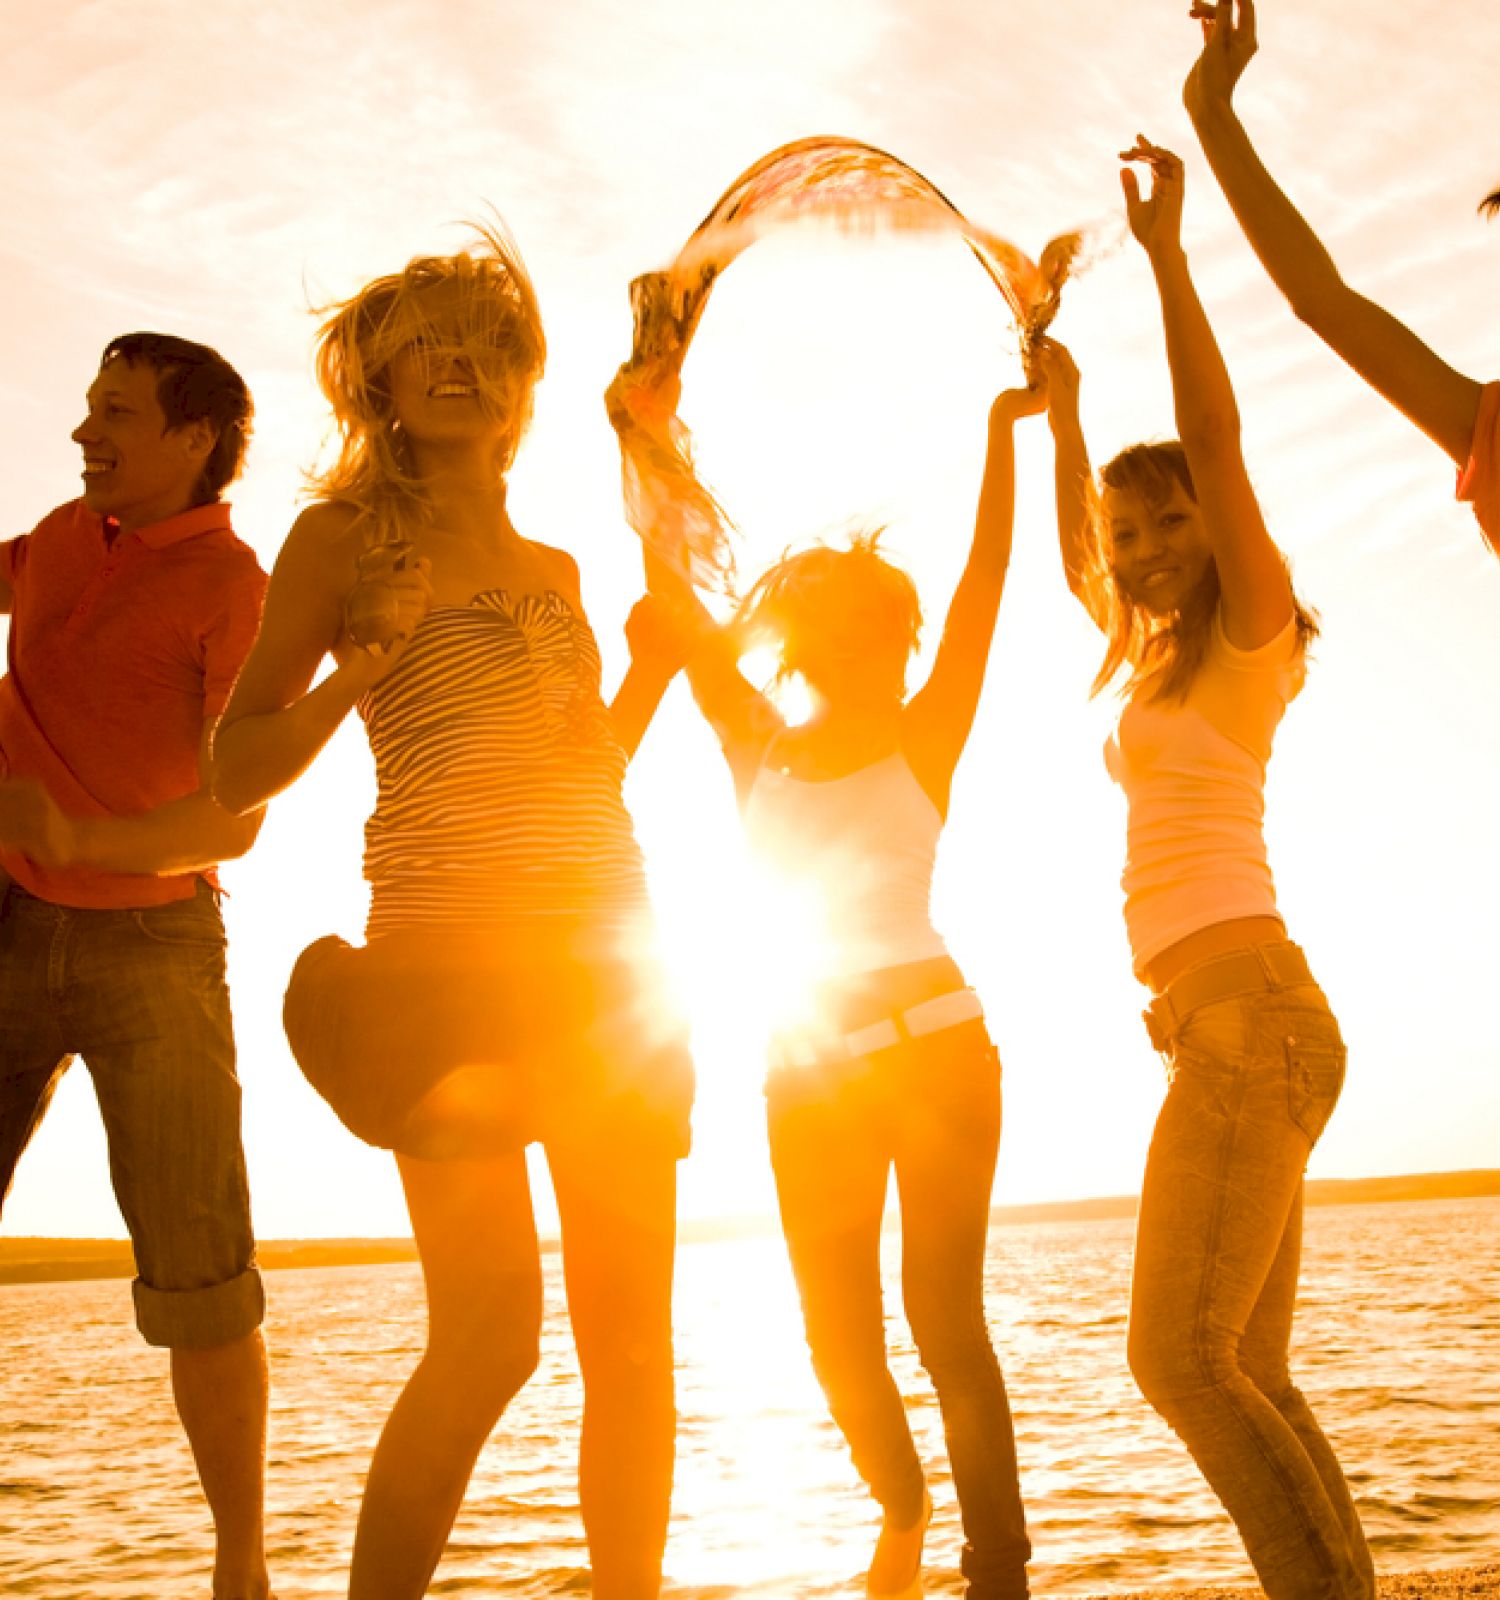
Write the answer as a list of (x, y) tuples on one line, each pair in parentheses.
[(1162, 653), (499, 335)]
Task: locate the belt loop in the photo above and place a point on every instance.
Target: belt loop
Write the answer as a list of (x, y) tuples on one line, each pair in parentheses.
[(1264, 962)]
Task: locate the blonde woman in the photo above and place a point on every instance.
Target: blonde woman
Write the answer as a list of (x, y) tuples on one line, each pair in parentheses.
[(506, 991), (1176, 566)]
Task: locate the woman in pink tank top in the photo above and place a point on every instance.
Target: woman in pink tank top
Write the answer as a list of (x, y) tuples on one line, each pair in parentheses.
[(1173, 561)]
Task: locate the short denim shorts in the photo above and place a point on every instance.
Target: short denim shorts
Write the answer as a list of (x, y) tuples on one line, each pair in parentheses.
[(140, 996)]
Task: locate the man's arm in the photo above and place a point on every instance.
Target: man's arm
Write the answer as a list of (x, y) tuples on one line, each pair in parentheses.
[(1443, 403), (184, 835)]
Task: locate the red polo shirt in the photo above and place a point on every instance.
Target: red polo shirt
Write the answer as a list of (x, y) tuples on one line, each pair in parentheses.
[(120, 650)]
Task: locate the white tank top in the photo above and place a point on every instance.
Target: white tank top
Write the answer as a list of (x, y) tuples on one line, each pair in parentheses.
[(847, 863)]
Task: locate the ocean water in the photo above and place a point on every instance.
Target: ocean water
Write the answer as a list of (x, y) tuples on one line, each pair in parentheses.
[(1398, 1347)]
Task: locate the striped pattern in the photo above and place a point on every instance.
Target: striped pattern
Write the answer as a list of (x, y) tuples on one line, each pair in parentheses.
[(499, 773)]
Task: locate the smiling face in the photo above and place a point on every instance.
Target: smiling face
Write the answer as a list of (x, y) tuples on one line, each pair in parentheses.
[(1159, 552), (458, 369), (136, 469)]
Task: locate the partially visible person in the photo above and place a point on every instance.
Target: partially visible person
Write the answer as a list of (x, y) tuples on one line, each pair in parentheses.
[(1456, 412), (508, 991), (1175, 565), (883, 1062), (131, 611)]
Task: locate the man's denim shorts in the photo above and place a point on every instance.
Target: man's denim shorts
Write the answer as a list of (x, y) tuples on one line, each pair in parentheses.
[(140, 995)]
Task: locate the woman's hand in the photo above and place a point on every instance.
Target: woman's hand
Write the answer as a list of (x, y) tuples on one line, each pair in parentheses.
[(1058, 372), (381, 612), (1156, 218), (1228, 45), (1013, 404), (663, 637)]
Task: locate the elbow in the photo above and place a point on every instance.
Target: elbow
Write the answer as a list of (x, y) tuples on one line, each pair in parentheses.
[(1206, 436), (1318, 297), (241, 831), (234, 792)]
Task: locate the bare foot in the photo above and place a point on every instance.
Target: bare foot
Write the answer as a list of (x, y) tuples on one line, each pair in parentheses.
[(896, 1571)]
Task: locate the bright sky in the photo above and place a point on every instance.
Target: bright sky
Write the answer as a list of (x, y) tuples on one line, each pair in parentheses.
[(215, 171)]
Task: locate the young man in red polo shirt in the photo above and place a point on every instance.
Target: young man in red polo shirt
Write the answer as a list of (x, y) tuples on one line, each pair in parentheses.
[(131, 612)]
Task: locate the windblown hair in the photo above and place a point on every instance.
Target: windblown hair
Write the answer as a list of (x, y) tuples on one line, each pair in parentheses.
[(194, 384), (1162, 653), (488, 317), (1490, 205), (786, 601)]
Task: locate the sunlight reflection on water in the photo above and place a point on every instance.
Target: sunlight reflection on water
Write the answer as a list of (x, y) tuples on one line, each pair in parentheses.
[(1397, 1333)]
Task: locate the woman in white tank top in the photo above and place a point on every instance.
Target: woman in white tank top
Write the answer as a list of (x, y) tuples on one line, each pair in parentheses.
[(1173, 561), (891, 1066)]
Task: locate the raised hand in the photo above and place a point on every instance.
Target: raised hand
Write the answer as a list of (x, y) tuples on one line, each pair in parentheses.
[(663, 636), (1228, 45), (1156, 218), (1012, 404), (1058, 374)]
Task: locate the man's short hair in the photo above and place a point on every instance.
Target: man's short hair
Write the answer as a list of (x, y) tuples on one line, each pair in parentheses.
[(195, 384)]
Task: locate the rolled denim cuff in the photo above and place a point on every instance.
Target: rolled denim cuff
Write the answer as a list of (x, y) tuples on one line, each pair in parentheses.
[(199, 1319)]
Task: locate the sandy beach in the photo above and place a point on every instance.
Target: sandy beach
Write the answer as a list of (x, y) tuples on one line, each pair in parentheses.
[(1454, 1583)]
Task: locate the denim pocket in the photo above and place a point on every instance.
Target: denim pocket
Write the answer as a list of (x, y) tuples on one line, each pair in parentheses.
[(1315, 1075), (187, 925)]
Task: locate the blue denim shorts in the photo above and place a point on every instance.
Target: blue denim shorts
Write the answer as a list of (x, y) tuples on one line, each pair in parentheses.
[(140, 996)]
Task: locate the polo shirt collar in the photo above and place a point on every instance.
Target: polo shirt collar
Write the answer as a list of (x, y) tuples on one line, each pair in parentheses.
[(212, 518)]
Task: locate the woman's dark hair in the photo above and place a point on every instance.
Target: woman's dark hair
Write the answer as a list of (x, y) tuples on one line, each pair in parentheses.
[(1162, 653), (195, 384)]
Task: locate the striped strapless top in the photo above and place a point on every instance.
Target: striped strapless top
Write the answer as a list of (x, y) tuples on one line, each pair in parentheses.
[(499, 773)]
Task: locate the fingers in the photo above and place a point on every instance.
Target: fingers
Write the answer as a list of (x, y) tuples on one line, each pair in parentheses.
[(1161, 160)]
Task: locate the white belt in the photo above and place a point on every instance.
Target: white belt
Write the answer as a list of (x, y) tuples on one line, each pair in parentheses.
[(927, 1016)]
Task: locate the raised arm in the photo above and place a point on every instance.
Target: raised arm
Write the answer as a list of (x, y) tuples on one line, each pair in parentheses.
[(1072, 474), (1256, 593), (937, 721), (1443, 403), (183, 835), (276, 722)]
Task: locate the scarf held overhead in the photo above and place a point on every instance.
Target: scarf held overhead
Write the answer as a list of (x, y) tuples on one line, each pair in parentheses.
[(821, 179)]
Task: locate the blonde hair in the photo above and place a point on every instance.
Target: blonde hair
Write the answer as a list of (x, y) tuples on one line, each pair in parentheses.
[(1162, 653), (786, 600), (495, 327)]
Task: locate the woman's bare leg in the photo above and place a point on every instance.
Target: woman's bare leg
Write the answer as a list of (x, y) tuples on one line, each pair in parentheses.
[(477, 1237), (619, 1220)]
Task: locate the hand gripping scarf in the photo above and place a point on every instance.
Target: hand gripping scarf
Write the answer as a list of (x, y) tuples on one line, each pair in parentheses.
[(824, 179)]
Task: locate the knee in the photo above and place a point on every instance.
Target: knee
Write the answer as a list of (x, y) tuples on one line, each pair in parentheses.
[(847, 1353), (953, 1342), (1172, 1365), (482, 1364)]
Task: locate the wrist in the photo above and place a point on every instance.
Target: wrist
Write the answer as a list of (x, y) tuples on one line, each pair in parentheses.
[(1210, 110), (1065, 422), (1166, 256)]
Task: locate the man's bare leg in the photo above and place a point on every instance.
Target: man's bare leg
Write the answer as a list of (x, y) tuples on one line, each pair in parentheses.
[(221, 1396)]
